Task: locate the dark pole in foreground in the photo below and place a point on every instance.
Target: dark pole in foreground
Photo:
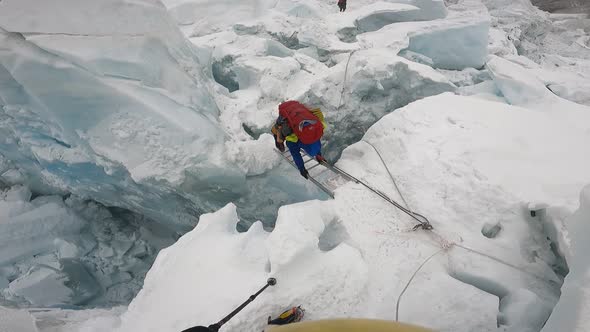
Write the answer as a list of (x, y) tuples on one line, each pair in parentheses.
[(215, 327)]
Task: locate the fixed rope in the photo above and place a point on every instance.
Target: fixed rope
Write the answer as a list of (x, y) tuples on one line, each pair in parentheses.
[(444, 244), (445, 247), (399, 298), (422, 221), (426, 225), (501, 261), (390, 176), (344, 80), (441, 241)]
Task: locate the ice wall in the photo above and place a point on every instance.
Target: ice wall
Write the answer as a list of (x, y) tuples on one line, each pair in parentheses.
[(108, 100), (573, 309), (63, 251)]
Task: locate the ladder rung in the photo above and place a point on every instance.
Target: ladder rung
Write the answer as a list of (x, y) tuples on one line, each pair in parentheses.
[(320, 185), (314, 166), (322, 172)]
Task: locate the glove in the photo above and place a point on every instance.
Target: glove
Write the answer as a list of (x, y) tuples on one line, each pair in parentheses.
[(304, 173), (280, 146)]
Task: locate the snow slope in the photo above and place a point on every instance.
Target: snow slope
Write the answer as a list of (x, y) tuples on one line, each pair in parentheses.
[(352, 256), (16, 320)]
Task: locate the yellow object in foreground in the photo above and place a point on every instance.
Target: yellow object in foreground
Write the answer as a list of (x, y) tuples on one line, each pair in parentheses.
[(347, 325)]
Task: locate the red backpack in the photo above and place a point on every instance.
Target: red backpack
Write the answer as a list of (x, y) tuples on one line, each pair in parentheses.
[(306, 126)]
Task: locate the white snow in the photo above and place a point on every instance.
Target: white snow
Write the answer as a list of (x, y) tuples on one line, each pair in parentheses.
[(297, 245), (16, 320), (254, 157), (111, 102), (520, 86), (517, 85), (459, 41), (332, 284), (91, 320), (352, 256), (557, 43)]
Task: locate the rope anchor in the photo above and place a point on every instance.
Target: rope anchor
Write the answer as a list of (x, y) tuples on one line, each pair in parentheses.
[(424, 226), (422, 220)]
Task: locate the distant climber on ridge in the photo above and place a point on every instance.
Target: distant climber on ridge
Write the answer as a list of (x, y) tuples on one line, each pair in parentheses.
[(342, 5), (302, 129)]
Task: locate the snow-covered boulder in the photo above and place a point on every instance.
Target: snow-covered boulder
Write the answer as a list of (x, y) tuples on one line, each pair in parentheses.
[(199, 18), (290, 253), (524, 84), (518, 86), (572, 84)]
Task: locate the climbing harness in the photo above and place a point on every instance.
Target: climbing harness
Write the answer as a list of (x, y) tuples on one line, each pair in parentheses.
[(215, 327)]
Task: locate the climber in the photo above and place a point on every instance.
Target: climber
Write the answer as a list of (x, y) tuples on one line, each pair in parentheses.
[(342, 5), (302, 129)]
